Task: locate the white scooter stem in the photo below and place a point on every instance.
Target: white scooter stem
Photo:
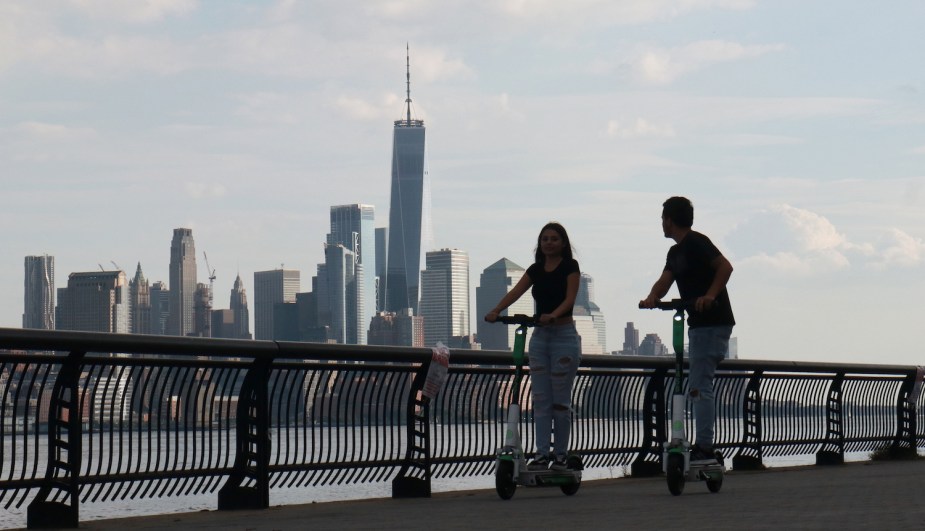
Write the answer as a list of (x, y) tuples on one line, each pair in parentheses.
[(678, 407), (512, 430)]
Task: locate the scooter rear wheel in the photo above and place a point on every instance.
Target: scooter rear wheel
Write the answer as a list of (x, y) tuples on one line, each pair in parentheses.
[(571, 489), (504, 480), (715, 484), (675, 474), (574, 463)]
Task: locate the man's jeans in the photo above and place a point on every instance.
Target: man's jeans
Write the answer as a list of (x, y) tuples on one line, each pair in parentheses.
[(555, 353), (707, 346)]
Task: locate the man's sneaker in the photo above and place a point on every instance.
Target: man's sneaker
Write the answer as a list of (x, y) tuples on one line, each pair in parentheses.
[(560, 463), (541, 462), (702, 455)]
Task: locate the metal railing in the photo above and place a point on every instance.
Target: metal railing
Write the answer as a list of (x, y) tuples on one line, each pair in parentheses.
[(96, 417)]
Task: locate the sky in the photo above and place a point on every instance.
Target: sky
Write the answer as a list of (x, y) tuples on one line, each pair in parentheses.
[(796, 128)]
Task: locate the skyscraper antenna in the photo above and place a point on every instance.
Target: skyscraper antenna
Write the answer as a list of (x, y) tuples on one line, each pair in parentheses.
[(408, 80)]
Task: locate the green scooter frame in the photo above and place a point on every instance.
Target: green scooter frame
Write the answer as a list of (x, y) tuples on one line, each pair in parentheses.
[(511, 463), (676, 452)]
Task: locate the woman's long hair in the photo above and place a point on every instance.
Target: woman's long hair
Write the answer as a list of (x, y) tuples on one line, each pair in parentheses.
[(566, 247)]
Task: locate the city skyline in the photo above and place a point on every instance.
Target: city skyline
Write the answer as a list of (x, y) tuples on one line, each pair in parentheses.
[(800, 143)]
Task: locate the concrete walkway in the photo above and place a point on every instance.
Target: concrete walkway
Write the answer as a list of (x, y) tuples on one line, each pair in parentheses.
[(869, 495)]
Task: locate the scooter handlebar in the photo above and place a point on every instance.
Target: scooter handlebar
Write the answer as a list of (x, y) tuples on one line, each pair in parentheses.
[(517, 319), (673, 304)]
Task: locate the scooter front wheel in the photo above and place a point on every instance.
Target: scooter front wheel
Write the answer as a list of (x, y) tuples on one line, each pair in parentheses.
[(504, 480), (675, 474)]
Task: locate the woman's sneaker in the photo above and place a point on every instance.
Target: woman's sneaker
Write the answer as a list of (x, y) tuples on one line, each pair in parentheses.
[(560, 463), (541, 462)]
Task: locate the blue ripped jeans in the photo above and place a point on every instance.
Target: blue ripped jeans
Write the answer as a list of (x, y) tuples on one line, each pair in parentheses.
[(555, 353), (707, 346)]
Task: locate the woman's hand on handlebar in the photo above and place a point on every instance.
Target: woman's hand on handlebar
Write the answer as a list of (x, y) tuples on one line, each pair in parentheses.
[(648, 302), (546, 319), (491, 316)]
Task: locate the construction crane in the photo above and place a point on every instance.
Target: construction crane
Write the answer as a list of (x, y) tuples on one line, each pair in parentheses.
[(211, 273), (116, 266)]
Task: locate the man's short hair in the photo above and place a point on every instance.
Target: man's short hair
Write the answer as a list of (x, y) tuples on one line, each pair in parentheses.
[(679, 210)]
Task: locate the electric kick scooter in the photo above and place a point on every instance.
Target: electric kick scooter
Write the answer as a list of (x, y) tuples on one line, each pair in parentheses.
[(511, 464), (676, 453)]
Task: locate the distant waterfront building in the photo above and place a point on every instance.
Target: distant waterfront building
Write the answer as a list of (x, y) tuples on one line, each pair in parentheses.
[(238, 305), (652, 346), (345, 308), (202, 311), (233, 323), (445, 296), (588, 318), (353, 226), (139, 303), (495, 281), (630, 340), (410, 230), (160, 308), (39, 297), (271, 287), (397, 329), (94, 302), (733, 352), (182, 283), (382, 246)]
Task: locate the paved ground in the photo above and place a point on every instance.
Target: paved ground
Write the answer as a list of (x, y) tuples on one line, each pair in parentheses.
[(871, 495)]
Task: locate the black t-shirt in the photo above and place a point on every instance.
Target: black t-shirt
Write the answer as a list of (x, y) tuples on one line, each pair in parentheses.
[(549, 287), (689, 264)]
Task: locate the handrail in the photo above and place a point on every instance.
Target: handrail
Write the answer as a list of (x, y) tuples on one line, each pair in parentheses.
[(114, 415)]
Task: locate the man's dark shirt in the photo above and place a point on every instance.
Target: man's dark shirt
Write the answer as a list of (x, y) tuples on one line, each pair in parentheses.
[(689, 264)]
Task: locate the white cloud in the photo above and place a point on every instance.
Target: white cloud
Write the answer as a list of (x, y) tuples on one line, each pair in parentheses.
[(664, 65), (365, 110), (198, 190), (789, 240), (638, 129), (134, 10), (919, 150), (267, 108), (622, 12), (900, 249), (785, 240), (54, 132)]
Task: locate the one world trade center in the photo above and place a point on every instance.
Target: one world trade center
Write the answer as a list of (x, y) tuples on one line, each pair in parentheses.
[(409, 211)]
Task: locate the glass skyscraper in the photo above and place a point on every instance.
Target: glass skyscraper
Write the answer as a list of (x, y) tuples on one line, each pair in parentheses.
[(353, 227), (496, 280), (409, 212), (39, 298)]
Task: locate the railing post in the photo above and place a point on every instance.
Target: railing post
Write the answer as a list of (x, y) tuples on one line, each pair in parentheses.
[(750, 453), (416, 484), (64, 453), (904, 444), (833, 449), (252, 442), (648, 461)]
